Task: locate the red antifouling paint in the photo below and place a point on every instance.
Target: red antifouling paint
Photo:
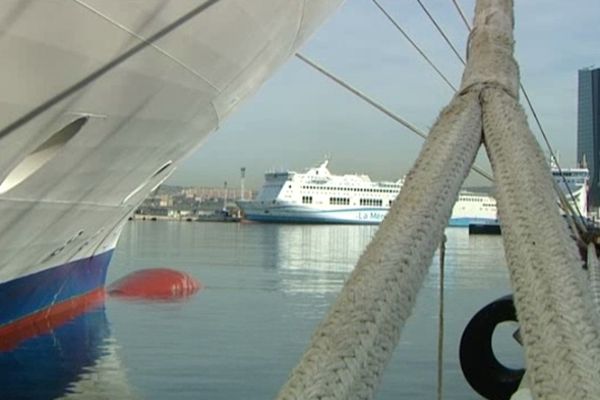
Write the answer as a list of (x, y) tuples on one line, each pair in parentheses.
[(155, 284)]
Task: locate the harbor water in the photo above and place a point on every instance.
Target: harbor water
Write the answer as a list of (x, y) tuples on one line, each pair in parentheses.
[(266, 287)]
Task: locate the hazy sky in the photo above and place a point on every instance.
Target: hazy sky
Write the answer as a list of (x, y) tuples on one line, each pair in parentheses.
[(299, 116)]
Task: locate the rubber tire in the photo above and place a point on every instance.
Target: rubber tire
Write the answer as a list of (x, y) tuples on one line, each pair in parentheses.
[(486, 375)]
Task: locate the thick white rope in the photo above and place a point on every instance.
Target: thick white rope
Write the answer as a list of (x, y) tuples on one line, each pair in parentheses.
[(558, 322), (350, 348), (593, 267)]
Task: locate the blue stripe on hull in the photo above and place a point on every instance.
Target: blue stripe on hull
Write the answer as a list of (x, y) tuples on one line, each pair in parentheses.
[(307, 220), (314, 219), (465, 222), (33, 293)]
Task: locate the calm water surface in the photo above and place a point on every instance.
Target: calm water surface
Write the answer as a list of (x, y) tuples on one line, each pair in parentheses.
[(266, 288)]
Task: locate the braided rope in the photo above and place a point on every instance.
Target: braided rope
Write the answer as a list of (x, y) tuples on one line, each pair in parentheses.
[(556, 314), (555, 310), (594, 274)]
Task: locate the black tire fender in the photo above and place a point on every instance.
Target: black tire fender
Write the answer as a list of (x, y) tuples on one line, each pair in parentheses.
[(486, 375)]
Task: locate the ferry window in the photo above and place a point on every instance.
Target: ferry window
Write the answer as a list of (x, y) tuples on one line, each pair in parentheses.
[(372, 202), (290, 186), (339, 201), (307, 199)]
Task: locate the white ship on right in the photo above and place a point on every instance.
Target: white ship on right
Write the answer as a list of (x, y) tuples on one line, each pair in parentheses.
[(318, 196), (574, 184)]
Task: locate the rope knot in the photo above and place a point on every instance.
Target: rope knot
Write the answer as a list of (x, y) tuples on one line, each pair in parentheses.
[(491, 40)]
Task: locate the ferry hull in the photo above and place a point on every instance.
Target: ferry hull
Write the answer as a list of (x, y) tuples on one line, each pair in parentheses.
[(365, 217), (311, 215), (464, 222)]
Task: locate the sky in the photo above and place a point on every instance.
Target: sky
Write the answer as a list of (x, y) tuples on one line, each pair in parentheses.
[(299, 117)]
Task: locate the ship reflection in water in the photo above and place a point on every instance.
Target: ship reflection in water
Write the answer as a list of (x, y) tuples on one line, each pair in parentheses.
[(76, 359), (318, 258)]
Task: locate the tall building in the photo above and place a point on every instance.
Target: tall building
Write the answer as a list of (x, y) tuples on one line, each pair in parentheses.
[(588, 128)]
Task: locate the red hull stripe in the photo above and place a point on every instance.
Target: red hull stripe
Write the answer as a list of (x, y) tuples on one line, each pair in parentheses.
[(46, 320)]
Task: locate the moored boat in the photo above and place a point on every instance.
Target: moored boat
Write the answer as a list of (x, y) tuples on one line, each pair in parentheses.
[(318, 196)]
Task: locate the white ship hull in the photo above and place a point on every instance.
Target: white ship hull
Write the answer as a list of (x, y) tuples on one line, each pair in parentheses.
[(302, 214), (367, 216), (72, 171)]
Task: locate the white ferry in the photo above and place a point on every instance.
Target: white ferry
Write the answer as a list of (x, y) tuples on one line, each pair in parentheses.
[(317, 196), (574, 183)]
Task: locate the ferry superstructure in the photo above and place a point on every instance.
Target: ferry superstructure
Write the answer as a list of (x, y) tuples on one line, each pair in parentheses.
[(100, 100), (318, 196), (574, 184)]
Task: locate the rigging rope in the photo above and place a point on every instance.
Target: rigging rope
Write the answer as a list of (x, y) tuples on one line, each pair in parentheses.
[(106, 67), (441, 31), (554, 158), (593, 267), (462, 15), (559, 322), (414, 44), (377, 105)]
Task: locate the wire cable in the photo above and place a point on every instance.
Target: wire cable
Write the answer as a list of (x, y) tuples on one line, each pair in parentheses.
[(441, 31), (105, 68), (553, 156), (415, 45), (462, 15), (378, 106)]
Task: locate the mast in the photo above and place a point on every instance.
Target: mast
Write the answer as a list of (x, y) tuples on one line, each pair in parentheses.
[(243, 177)]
